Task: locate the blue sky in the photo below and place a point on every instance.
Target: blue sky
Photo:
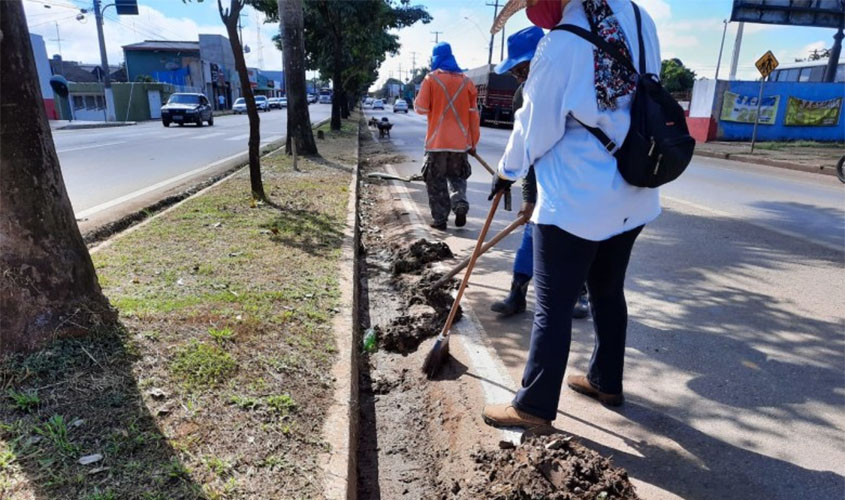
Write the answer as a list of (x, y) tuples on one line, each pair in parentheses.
[(689, 29)]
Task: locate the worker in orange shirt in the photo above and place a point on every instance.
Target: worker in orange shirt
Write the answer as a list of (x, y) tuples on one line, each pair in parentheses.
[(448, 98)]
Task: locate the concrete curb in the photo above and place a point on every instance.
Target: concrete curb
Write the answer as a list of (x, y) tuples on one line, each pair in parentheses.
[(340, 429), (747, 158), (72, 126)]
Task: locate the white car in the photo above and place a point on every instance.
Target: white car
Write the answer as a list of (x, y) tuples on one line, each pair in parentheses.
[(325, 99), (260, 101), (378, 104), (283, 102), (239, 106), (400, 105)]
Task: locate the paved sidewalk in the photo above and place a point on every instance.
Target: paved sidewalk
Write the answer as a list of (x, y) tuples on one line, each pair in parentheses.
[(808, 156), (80, 124)]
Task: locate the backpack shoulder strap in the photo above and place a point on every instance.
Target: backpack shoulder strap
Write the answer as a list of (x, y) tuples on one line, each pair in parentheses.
[(598, 42), (599, 134), (640, 36)]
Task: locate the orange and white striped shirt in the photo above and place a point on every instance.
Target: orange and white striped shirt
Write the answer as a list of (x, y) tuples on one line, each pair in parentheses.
[(449, 100)]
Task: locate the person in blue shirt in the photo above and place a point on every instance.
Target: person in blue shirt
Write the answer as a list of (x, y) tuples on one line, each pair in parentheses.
[(521, 47)]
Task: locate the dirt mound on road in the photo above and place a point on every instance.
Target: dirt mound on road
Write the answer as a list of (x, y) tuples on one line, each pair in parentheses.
[(420, 253), (423, 316), (549, 467)]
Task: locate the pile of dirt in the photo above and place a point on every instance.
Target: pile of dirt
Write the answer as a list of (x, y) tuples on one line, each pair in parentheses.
[(549, 467), (423, 315), (422, 252)]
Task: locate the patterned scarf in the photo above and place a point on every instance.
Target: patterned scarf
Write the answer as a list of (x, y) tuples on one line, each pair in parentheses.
[(613, 80)]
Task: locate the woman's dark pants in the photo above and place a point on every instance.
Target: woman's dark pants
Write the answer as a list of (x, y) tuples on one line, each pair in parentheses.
[(562, 262)]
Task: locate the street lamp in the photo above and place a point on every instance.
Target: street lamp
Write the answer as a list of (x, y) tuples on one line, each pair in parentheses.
[(721, 47)]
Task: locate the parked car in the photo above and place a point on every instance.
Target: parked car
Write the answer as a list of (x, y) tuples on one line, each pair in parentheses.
[(262, 103), (378, 104), (239, 106), (283, 102), (274, 103), (185, 108), (325, 98), (312, 98), (400, 105)]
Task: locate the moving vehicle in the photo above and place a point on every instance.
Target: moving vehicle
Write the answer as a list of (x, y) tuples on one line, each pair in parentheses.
[(184, 108), (261, 103), (378, 104), (807, 71), (495, 95), (325, 96), (400, 105)]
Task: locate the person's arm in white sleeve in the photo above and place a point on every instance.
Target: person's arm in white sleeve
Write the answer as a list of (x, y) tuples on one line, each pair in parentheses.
[(541, 121)]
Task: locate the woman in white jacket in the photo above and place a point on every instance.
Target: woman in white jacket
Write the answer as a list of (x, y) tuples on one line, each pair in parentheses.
[(587, 217)]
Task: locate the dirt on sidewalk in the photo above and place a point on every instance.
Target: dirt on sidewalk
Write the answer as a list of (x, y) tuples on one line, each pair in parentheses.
[(421, 439), (803, 155)]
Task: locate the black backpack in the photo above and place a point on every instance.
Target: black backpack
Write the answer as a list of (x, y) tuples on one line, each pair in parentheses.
[(658, 146)]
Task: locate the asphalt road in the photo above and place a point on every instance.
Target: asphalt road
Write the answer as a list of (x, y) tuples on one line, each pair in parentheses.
[(107, 169), (734, 366)]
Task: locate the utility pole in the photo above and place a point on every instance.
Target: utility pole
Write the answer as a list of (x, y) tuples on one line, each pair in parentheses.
[(495, 6), (61, 57), (413, 65), (737, 46), (436, 36), (833, 56), (104, 61), (502, 55), (258, 44), (721, 47)]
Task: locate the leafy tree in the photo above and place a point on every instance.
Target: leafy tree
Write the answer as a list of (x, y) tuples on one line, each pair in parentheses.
[(675, 76), (230, 18), (290, 41), (48, 285)]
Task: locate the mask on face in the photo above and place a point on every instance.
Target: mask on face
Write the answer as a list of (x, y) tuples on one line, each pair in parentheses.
[(546, 13)]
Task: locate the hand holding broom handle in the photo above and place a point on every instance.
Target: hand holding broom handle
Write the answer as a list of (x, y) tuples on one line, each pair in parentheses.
[(494, 174), (493, 241)]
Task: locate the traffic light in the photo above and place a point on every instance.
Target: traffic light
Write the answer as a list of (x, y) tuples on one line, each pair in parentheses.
[(126, 7)]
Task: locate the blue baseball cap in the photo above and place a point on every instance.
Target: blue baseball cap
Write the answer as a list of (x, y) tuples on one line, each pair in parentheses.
[(521, 47)]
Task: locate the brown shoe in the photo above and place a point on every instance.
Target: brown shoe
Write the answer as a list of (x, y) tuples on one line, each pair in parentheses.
[(579, 383), (507, 416)]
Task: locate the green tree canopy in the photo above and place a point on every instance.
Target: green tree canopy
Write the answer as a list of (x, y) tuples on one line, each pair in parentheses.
[(675, 76)]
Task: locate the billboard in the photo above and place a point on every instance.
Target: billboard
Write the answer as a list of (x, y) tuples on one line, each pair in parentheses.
[(743, 108), (807, 113), (818, 13)]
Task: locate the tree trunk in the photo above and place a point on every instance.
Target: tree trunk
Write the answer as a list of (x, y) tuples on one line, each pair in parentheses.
[(231, 22), (48, 287), (344, 104), (299, 118), (337, 83)]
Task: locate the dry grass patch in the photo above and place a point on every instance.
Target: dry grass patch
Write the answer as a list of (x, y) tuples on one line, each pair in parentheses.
[(216, 384)]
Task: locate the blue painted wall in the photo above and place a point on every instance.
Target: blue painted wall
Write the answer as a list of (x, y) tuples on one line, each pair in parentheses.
[(732, 131), (148, 62)]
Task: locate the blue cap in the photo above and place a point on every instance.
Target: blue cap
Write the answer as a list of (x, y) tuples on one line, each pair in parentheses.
[(442, 58), (521, 47)]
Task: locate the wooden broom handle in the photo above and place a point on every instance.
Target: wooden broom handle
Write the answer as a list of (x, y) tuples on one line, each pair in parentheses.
[(474, 257), (487, 246), (484, 164)]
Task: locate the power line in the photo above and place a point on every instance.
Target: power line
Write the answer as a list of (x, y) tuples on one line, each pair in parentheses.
[(48, 4)]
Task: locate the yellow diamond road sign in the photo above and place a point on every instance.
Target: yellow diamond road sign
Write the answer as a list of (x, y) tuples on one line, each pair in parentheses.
[(767, 64)]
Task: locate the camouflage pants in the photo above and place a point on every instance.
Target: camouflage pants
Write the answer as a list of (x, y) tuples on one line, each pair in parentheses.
[(445, 174)]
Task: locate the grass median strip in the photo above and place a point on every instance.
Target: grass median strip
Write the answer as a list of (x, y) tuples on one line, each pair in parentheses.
[(216, 383)]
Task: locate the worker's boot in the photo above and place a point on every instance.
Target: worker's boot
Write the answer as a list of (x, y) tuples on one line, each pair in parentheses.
[(582, 305), (514, 303)]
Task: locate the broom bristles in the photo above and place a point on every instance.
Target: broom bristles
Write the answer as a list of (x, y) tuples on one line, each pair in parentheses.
[(436, 357)]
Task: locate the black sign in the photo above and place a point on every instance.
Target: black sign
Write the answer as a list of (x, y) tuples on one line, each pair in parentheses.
[(59, 84), (818, 13), (126, 7)]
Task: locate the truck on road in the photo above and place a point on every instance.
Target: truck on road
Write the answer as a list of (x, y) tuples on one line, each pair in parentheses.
[(495, 95)]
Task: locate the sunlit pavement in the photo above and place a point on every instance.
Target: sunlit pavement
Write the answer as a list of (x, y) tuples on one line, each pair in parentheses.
[(734, 380)]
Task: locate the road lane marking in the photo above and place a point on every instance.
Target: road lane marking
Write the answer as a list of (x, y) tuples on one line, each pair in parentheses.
[(208, 136), (238, 137), (90, 146), (117, 201)]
